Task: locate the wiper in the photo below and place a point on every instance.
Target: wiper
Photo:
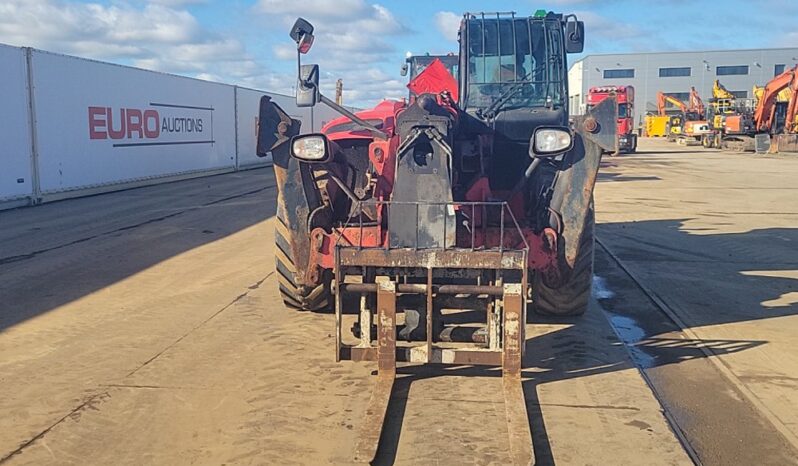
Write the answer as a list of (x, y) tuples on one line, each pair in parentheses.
[(490, 112)]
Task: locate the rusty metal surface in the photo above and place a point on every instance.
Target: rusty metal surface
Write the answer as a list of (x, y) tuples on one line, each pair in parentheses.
[(417, 288), (513, 328), (433, 258), (371, 429), (520, 435), (417, 353), (514, 402), (573, 189), (599, 125), (573, 197)]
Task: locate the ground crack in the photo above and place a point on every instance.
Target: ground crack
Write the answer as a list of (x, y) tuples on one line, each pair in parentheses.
[(224, 308)]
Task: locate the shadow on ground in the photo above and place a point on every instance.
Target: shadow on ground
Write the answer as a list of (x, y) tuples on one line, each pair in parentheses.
[(56, 253), (572, 351)]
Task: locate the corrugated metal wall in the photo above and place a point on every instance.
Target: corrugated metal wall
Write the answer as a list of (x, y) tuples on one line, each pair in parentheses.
[(71, 126), (16, 179)]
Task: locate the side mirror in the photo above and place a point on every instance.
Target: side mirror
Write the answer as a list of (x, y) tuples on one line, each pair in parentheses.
[(574, 36), (403, 71), (311, 148), (302, 33), (307, 90), (275, 127)]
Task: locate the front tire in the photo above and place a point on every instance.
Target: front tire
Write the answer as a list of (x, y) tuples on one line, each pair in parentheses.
[(573, 297), (317, 298)]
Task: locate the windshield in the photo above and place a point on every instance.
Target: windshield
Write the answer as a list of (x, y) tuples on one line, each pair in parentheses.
[(518, 58), (419, 64)]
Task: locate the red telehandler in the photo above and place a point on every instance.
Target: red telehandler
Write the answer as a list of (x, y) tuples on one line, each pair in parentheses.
[(431, 226)]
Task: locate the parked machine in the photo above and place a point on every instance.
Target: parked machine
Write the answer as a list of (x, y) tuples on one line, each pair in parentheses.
[(625, 98), (730, 119), (688, 122), (430, 226), (770, 136)]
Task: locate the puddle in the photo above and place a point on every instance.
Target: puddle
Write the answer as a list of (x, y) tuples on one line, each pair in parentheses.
[(600, 288), (628, 330)]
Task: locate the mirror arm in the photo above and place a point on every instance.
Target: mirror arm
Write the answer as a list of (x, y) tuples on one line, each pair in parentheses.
[(371, 128)]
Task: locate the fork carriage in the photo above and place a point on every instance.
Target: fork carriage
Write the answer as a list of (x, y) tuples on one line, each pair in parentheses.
[(462, 304)]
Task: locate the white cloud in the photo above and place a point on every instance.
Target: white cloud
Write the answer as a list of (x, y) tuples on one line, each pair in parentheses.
[(353, 40), (156, 35), (448, 24)]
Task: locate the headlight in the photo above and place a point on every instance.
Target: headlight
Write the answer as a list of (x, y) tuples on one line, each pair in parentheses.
[(311, 148), (551, 141)]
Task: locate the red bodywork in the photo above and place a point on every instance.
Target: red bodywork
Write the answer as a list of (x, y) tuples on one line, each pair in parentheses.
[(382, 154), (624, 95)]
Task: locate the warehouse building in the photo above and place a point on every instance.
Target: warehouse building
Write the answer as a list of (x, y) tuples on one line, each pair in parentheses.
[(675, 72)]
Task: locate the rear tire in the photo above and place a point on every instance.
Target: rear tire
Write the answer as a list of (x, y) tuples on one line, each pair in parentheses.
[(572, 298), (316, 298)]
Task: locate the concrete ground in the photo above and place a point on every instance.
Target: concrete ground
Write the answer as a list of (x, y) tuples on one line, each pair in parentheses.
[(144, 327), (708, 240)]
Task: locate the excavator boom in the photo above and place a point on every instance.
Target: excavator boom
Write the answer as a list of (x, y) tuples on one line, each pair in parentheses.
[(765, 108), (663, 99), (696, 104)]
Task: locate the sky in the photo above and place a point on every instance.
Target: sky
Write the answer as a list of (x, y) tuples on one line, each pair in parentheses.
[(364, 43)]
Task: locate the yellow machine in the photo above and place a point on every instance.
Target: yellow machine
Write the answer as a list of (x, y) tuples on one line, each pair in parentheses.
[(656, 126), (723, 103)]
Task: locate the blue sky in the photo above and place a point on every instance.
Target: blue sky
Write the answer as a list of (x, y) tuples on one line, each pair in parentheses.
[(360, 41)]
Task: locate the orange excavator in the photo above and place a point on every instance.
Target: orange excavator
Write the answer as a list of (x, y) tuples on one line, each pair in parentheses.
[(689, 123), (730, 118), (765, 115), (696, 104), (767, 133), (769, 137)]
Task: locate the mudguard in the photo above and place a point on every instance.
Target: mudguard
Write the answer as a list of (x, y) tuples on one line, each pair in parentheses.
[(297, 195), (595, 133)]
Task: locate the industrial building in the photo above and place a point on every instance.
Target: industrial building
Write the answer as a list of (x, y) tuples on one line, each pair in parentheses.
[(675, 72)]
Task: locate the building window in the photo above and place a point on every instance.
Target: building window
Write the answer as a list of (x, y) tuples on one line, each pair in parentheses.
[(729, 70), (778, 69), (674, 72), (627, 73), (740, 94)]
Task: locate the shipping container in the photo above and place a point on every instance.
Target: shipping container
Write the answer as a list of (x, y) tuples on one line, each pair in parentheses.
[(16, 162)]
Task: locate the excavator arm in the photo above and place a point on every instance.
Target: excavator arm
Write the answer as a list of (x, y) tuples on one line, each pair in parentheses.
[(791, 120), (720, 92), (663, 99), (766, 106), (696, 104)]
